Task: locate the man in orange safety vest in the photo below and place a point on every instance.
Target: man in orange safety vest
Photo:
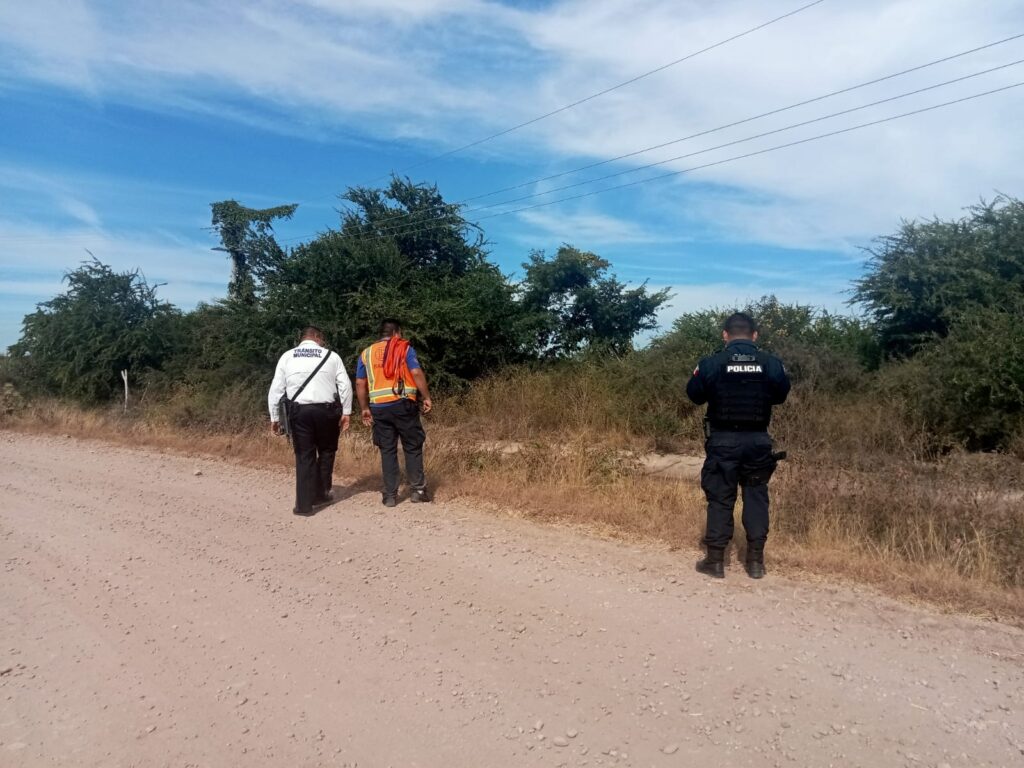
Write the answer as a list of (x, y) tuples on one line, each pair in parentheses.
[(392, 390)]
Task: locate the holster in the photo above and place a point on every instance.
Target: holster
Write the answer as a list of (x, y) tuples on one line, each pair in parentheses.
[(760, 474), (337, 410), (285, 415)]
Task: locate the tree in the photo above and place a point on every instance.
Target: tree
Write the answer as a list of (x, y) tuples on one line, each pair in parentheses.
[(426, 230), (820, 349), (969, 386), (575, 305), (76, 344), (921, 279), (247, 236), (403, 252)]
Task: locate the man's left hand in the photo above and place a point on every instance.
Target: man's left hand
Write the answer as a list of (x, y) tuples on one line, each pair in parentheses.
[(346, 422)]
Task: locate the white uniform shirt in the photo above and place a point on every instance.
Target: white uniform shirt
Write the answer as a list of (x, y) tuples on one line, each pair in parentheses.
[(294, 368)]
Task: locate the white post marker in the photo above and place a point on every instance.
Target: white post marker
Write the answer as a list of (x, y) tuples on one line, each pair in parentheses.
[(124, 375)]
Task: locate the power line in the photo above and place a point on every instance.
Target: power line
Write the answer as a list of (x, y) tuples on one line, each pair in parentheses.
[(759, 152), (706, 132), (776, 111), (414, 228), (750, 138), (606, 91), (393, 228)]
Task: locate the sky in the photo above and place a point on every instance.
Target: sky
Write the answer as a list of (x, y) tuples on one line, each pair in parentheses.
[(122, 121)]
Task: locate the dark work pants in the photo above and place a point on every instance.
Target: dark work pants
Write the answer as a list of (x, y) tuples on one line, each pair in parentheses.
[(737, 459), (400, 422), (315, 433)]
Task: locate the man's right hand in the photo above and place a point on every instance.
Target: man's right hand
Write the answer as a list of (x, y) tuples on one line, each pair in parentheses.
[(275, 428), (367, 417)]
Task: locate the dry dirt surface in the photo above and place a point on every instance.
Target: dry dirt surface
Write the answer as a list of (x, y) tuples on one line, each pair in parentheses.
[(158, 610)]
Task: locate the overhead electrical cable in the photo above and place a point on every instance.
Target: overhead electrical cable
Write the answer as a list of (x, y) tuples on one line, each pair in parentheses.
[(776, 148), (746, 138), (399, 228), (414, 229), (608, 90), (706, 132), (771, 112)]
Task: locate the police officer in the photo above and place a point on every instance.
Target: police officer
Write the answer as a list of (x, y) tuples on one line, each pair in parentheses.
[(392, 389), (321, 411), (740, 384)]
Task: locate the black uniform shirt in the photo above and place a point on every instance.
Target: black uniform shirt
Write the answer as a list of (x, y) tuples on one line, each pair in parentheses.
[(702, 385)]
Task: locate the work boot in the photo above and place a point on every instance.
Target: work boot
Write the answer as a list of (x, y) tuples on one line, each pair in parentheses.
[(419, 497), (713, 564), (390, 501), (755, 563)]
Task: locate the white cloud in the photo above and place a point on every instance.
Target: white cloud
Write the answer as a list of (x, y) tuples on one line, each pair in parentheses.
[(35, 258), (584, 228), (443, 73)]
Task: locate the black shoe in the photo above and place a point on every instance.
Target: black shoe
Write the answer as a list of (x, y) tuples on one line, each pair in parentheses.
[(420, 497), (295, 511), (713, 564), (327, 498), (755, 564), (390, 501)]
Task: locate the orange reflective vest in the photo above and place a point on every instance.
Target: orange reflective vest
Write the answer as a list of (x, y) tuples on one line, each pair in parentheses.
[(385, 389)]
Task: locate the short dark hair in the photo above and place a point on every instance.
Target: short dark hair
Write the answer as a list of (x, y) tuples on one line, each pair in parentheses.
[(311, 330), (389, 327), (739, 324)]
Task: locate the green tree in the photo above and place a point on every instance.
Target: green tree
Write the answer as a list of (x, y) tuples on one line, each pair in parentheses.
[(403, 252), (575, 305), (247, 236), (820, 349), (969, 386), (921, 279), (76, 344)]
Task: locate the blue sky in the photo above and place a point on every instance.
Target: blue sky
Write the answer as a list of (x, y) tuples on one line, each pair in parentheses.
[(122, 121)]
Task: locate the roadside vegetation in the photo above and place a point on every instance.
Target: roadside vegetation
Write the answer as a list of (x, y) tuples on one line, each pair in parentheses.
[(905, 427)]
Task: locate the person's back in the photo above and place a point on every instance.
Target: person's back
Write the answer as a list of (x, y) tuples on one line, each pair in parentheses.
[(740, 384), (315, 382), (392, 389)]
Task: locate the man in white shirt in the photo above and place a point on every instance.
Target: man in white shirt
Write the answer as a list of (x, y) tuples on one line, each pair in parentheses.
[(321, 412)]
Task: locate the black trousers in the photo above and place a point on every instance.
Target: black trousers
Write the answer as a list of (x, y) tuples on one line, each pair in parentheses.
[(400, 422), (315, 433), (737, 459)]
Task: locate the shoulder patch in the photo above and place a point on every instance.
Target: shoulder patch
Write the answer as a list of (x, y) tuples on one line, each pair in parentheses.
[(696, 371)]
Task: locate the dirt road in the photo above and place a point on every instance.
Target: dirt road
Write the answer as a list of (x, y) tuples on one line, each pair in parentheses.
[(165, 611)]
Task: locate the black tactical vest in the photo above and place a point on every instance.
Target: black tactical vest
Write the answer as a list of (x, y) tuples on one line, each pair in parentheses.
[(741, 400)]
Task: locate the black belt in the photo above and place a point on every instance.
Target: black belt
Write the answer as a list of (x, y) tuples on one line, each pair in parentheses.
[(757, 426), (312, 405)]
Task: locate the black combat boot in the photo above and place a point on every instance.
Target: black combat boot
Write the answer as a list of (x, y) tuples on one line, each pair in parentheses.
[(755, 562), (713, 564), (420, 496)]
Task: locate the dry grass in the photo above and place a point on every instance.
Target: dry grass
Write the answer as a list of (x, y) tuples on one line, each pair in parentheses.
[(944, 532)]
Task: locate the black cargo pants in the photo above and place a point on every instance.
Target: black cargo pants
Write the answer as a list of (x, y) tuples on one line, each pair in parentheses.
[(315, 433), (737, 459), (400, 421)]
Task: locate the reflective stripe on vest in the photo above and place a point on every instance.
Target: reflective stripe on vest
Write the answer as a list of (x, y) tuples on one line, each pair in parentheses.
[(382, 389)]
